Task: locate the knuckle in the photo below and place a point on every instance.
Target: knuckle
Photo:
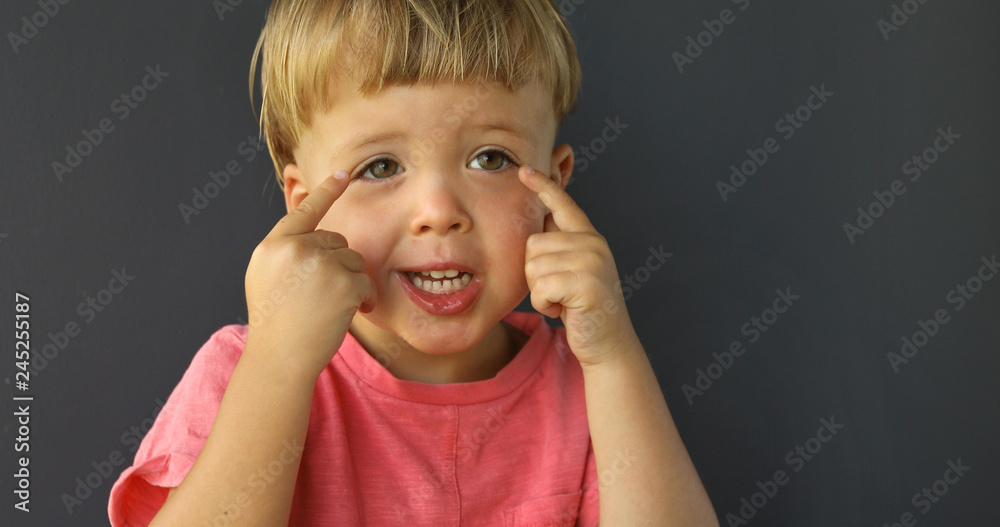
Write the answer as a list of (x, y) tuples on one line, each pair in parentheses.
[(361, 287), (267, 244), (534, 242), (368, 285), (333, 240), (297, 249), (531, 268), (342, 285), (259, 251), (545, 282), (352, 260), (304, 207), (268, 250), (589, 260)]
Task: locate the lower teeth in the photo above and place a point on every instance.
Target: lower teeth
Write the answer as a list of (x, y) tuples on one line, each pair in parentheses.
[(440, 286)]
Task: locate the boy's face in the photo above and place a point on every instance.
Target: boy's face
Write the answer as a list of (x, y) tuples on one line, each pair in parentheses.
[(432, 190)]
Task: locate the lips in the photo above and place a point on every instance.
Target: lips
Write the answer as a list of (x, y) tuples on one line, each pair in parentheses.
[(441, 288)]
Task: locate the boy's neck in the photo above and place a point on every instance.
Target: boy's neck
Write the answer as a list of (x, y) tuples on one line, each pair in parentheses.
[(478, 363)]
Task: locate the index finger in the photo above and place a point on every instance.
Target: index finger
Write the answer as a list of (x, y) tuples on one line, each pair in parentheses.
[(569, 217), (306, 216)]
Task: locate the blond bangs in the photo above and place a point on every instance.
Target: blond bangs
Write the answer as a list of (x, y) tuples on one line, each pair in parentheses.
[(308, 44)]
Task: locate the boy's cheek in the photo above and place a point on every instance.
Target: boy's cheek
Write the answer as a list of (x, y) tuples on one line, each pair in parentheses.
[(516, 227), (522, 213)]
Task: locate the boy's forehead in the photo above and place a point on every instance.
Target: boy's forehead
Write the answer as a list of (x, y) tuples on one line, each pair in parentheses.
[(526, 112)]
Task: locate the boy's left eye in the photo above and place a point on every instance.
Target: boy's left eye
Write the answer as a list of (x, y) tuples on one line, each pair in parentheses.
[(493, 160)]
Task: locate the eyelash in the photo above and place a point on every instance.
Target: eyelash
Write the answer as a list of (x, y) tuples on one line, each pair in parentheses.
[(507, 155)]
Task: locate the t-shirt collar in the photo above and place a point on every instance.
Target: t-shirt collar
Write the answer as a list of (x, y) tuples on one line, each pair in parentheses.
[(526, 362)]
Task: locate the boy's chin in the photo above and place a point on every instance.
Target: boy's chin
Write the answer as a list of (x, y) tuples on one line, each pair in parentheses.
[(446, 335), (438, 335)]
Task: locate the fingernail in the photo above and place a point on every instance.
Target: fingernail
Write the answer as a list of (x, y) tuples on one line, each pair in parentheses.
[(528, 170), (340, 174)]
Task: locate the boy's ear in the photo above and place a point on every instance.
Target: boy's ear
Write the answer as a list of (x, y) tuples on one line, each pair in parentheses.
[(296, 189), (561, 168)]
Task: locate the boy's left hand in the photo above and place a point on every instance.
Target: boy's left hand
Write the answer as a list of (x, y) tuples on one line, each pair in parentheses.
[(572, 275)]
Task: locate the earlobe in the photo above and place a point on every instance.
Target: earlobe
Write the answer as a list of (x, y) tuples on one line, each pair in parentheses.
[(295, 187), (561, 169)]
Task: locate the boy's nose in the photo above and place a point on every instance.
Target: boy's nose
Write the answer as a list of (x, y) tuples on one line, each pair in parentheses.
[(439, 207)]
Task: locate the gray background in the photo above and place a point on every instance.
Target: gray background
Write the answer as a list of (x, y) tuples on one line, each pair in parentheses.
[(653, 186)]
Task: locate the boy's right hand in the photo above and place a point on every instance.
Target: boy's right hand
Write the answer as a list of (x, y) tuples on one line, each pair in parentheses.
[(304, 285)]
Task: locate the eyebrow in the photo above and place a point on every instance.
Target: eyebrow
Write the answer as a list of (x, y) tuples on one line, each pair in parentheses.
[(381, 137), (506, 126)]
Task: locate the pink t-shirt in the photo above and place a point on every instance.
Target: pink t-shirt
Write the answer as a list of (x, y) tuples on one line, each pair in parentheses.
[(511, 451)]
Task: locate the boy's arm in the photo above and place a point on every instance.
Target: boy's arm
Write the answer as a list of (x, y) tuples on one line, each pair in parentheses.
[(644, 472), (646, 476), (262, 419), (303, 288)]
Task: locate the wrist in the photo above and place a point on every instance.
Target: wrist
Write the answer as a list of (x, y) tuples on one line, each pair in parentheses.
[(284, 359), (618, 352)]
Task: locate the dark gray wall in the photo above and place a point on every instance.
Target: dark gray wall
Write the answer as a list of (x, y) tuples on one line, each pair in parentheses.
[(654, 186)]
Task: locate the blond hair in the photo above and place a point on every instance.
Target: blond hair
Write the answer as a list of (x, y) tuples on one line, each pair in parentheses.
[(308, 44)]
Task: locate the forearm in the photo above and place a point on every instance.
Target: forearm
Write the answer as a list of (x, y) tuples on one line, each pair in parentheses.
[(646, 476), (261, 426)]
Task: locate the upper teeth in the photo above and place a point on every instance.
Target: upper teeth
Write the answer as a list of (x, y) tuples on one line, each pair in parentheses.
[(450, 273), (431, 281)]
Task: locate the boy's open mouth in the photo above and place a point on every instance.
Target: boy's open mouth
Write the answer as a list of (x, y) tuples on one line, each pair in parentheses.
[(447, 288), (445, 282)]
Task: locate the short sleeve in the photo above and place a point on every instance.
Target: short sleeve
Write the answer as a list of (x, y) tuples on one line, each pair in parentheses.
[(173, 443), (589, 505)]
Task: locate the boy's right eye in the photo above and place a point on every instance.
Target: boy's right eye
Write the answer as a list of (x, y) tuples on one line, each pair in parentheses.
[(382, 168)]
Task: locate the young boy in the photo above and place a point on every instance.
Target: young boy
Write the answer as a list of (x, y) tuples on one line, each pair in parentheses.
[(383, 378)]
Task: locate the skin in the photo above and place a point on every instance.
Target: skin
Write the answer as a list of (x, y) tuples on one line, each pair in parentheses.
[(442, 202), (330, 266)]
